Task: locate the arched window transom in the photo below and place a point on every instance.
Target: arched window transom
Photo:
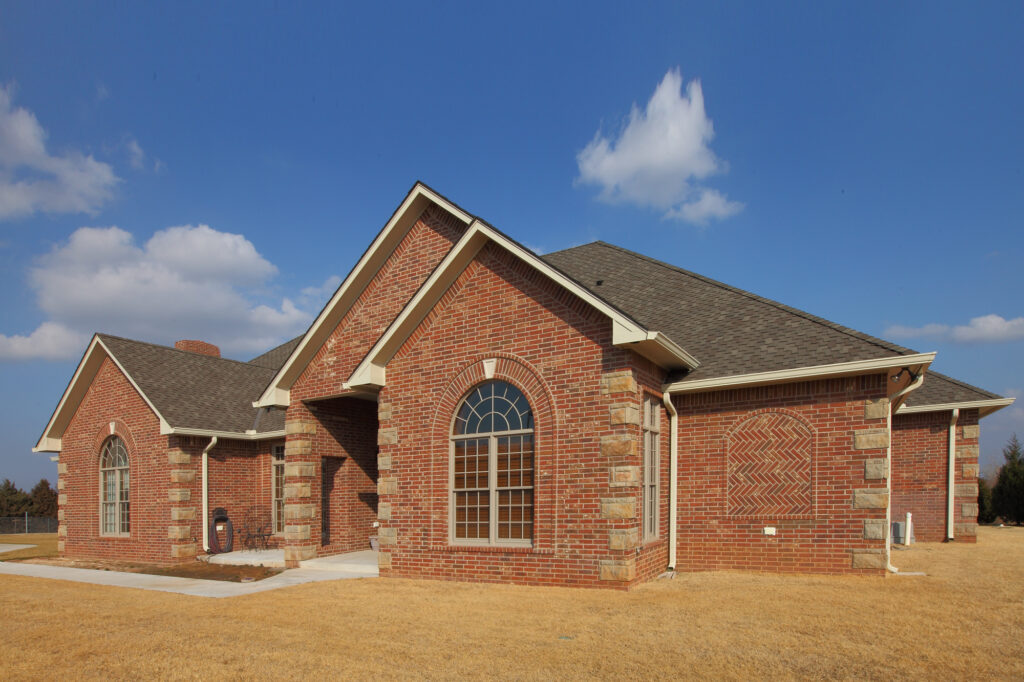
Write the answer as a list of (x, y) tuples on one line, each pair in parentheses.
[(114, 488), (492, 467)]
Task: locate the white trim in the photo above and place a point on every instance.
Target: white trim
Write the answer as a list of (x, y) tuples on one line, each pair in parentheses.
[(920, 360), (231, 435), (79, 385), (625, 331), (986, 407), (278, 391)]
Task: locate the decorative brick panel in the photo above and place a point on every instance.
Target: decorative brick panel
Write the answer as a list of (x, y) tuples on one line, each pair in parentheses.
[(770, 467)]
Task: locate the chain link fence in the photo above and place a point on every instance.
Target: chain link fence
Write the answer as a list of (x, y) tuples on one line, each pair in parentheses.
[(10, 525)]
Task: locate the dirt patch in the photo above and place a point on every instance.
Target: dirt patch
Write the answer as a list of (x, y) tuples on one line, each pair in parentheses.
[(197, 569)]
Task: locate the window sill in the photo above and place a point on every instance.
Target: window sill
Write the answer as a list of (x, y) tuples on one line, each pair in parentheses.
[(492, 549)]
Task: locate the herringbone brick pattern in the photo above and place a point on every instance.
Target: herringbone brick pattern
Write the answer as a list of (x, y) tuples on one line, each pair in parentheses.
[(770, 467)]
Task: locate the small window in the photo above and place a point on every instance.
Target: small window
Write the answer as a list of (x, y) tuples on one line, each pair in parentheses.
[(492, 467), (114, 488), (651, 466), (277, 485)]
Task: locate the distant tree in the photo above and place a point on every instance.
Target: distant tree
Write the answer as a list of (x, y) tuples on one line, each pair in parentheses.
[(44, 500), (1008, 493), (13, 500), (986, 512)]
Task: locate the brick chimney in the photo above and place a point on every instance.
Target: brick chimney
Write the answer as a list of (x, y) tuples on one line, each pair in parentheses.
[(200, 347)]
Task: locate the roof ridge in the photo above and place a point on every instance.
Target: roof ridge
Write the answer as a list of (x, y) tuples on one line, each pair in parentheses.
[(178, 350), (835, 326)]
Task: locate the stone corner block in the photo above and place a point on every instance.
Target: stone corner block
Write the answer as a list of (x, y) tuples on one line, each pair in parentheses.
[(618, 445), (178, 457), (623, 539), (618, 508), (868, 558), (183, 513), (60, 546), (299, 553), (970, 470), (384, 560), (299, 446), (383, 411), (180, 551), (383, 462), (387, 485), (179, 495), (624, 414), (871, 498), (967, 451), (871, 439), (969, 510), (875, 469), (62, 499), (618, 570), (621, 381), (293, 533), (966, 490), (62, 531), (874, 529), (299, 469), (299, 426), (179, 532), (182, 475), (967, 530), (60, 483), (298, 512), (62, 468), (298, 490), (970, 432), (387, 536), (876, 409), (388, 436), (384, 511), (622, 477)]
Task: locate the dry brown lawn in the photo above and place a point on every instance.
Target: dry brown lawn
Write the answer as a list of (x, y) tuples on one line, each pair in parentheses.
[(45, 545), (965, 619)]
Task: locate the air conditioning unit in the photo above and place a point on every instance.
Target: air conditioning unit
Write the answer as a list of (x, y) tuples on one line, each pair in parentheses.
[(899, 533)]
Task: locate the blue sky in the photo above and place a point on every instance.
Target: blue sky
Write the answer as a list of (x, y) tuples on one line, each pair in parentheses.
[(863, 163)]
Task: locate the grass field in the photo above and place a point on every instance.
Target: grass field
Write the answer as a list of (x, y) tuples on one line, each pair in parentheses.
[(965, 619), (45, 545)]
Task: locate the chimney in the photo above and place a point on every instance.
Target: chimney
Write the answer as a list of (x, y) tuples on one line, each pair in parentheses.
[(200, 347)]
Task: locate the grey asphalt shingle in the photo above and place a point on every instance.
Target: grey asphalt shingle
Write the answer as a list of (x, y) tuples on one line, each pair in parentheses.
[(275, 357), (197, 391), (939, 389)]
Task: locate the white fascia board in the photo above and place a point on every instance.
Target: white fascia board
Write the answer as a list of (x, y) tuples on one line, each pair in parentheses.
[(919, 360), (207, 433), (625, 332), (47, 444), (663, 351), (985, 407), (402, 220)]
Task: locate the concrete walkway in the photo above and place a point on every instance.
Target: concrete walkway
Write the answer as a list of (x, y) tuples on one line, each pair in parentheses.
[(5, 547), (328, 568)]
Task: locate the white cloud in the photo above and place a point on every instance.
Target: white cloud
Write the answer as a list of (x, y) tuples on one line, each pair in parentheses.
[(136, 157), (659, 155), (50, 341), (984, 329), (33, 180), (326, 289), (184, 282)]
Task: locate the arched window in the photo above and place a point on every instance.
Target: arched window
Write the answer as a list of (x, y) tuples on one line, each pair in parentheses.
[(114, 488), (492, 467)]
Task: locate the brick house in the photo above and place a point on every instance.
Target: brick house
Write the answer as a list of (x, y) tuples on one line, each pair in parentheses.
[(590, 417)]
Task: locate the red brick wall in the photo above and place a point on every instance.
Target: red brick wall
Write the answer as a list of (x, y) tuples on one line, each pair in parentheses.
[(921, 474), (556, 349), (111, 398), (719, 532)]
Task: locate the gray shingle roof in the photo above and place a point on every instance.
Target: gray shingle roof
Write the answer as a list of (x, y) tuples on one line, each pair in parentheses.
[(730, 331), (939, 389), (196, 391), (275, 357)]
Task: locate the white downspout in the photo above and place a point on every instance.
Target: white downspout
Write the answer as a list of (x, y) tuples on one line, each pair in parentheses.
[(206, 494), (673, 476), (912, 386), (952, 474)]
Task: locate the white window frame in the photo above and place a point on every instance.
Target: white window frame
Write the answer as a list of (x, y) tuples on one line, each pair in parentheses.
[(277, 475), (120, 505), (492, 482), (651, 479)]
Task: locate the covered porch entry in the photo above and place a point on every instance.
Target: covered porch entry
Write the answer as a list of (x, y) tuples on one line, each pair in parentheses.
[(330, 491)]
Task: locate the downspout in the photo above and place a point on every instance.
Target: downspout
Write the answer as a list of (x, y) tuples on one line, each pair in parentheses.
[(206, 494), (673, 475), (912, 386), (952, 473)]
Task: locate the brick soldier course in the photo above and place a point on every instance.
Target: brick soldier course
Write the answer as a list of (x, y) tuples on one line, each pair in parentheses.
[(797, 440)]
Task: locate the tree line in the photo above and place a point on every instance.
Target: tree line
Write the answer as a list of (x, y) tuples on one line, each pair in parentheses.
[(41, 501), (1004, 499)]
